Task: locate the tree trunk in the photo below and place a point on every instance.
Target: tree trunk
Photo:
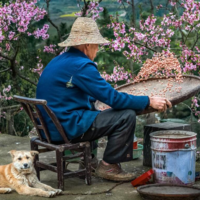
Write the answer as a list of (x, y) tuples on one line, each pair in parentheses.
[(131, 66), (133, 18), (9, 123), (152, 7)]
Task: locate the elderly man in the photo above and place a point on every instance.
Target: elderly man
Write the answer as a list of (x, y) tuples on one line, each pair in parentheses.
[(71, 81)]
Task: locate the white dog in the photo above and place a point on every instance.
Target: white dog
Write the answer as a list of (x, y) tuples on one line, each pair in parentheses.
[(20, 175)]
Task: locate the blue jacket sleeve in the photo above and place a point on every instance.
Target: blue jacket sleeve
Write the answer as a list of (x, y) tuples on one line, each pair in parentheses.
[(88, 79)]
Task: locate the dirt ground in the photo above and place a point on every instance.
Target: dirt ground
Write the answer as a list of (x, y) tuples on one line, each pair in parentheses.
[(124, 191)]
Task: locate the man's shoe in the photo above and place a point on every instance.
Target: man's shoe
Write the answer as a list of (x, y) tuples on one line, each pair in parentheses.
[(113, 172)]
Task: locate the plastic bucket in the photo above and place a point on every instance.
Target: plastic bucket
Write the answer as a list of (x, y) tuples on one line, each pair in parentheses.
[(137, 152), (173, 156)]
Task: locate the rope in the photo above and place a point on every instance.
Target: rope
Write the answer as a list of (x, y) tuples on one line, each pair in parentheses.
[(96, 193)]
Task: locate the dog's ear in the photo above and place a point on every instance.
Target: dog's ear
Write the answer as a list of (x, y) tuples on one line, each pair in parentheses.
[(12, 153), (33, 153)]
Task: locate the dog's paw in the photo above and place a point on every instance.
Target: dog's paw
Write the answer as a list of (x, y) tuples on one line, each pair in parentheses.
[(52, 193), (58, 191), (8, 190)]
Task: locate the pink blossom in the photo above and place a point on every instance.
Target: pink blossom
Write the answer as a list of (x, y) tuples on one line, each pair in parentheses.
[(7, 47), (79, 14), (140, 36), (5, 95), (159, 7), (11, 35), (39, 68), (50, 49), (119, 74), (173, 3), (21, 13)]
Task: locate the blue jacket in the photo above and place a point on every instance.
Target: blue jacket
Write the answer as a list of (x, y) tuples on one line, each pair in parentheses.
[(68, 82)]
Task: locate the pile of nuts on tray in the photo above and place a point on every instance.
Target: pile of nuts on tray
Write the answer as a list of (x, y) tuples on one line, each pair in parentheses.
[(160, 66)]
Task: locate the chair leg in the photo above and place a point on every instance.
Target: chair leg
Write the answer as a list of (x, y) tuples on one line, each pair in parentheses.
[(34, 147), (60, 169), (87, 159)]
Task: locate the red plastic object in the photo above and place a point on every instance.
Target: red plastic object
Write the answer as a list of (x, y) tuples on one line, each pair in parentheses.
[(143, 179), (135, 145)]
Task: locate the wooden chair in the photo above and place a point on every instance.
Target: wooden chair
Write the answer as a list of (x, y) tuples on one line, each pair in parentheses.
[(78, 149)]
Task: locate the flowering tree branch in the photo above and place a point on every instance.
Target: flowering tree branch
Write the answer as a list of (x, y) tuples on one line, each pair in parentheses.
[(16, 24), (5, 70), (6, 57), (188, 35), (85, 8), (195, 43), (27, 79), (13, 61), (146, 46), (90, 9), (182, 34)]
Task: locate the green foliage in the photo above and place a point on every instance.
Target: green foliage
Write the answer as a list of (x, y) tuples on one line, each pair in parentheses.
[(23, 124), (32, 48), (28, 57)]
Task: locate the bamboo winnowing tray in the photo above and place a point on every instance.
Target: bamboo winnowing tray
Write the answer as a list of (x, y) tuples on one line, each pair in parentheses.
[(189, 87)]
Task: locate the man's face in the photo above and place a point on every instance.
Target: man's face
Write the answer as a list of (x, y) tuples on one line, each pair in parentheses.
[(92, 50)]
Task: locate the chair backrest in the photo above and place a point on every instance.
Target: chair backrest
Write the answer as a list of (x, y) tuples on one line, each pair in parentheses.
[(30, 106)]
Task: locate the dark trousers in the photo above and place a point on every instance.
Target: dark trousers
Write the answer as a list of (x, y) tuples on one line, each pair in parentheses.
[(119, 126)]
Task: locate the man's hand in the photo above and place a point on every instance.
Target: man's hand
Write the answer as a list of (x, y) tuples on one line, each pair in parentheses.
[(160, 103)]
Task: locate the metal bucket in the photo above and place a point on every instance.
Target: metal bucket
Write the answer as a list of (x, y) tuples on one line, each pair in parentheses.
[(173, 156)]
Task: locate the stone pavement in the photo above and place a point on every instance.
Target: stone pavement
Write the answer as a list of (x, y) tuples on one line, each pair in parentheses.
[(124, 191)]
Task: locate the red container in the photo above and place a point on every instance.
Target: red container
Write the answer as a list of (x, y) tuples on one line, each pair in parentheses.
[(135, 145), (143, 179)]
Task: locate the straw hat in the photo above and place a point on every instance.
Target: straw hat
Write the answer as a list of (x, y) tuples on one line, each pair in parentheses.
[(84, 31)]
